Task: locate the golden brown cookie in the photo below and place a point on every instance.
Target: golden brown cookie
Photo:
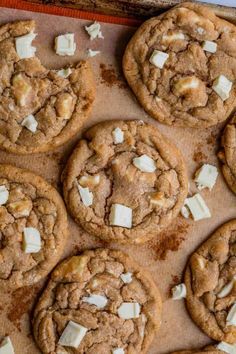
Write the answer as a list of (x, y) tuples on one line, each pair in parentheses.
[(227, 155), (33, 227), (105, 292), (211, 288), (178, 87), (124, 182), (59, 105), (207, 350)]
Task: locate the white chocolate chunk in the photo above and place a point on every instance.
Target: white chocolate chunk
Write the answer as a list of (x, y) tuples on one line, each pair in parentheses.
[(198, 207), (6, 346), (85, 195), (30, 123), (121, 215), (222, 86), (65, 44), (128, 310), (186, 84), (118, 136), (72, 335), (145, 163), (98, 300), (206, 176), (126, 277), (226, 290), (4, 195), (227, 348), (200, 30), (89, 181), (158, 58), (179, 292), (92, 53), (185, 212), (118, 351), (32, 240), (64, 72), (24, 48), (94, 31), (168, 38), (231, 317), (209, 46)]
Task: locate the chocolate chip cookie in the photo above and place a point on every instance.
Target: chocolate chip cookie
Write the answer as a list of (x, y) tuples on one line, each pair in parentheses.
[(33, 227), (182, 66), (124, 182), (40, 109), (227, 154), (97, 302), (210, 280)]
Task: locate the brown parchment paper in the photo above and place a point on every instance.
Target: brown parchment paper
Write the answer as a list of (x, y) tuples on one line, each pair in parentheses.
[(166, 255)]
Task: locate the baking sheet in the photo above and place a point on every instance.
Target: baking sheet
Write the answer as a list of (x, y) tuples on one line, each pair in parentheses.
[(165, 256)]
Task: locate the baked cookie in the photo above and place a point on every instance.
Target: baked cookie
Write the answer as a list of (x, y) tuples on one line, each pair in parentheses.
[(208, 350), (97, 302), (40, 109), (33, 227), (211, 288), (124, 182), (227, 155), (182, 66)]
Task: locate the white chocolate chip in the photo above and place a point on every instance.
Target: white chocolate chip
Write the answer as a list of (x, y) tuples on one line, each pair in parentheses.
[(145, 163), (200, 30), (118, 351), (126, 277), (198, 207), (98, 300), (118, 136), (186, 84), (222, 86), (89, 181), (227, 348), (30, 123), (206, 177), (158, 58), (32, 240), (85, 195), (168, 38), (209, 46), (231, 318), (6, 346), (64, 73), (92, 53), (226, 290), (72, 335), (4, 195), (24, 48), (185, 212), (179, 292), (65, 44), (94, 30), (121, 215), (129, 310)]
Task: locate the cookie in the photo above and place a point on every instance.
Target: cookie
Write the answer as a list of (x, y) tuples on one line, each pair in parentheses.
[(124, 182), (181, 66), (33, 227), (211, 288), (227, 154), (105, 299), (39, 108), (208, 350)]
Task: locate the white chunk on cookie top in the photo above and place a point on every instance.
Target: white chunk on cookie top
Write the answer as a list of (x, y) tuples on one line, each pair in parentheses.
[(89, 181), (126, 277), (6, 346), (4, 195), (85, 195), (118, 136), (65, 73), (24, 47), (209, 46), (172, 37), (30, 123), (231, 317), (198, 207), (158, 58), (65, 44), (145, 163), (226, 290), (222, 86), (129, 310), (94, 31), (179, 292), (227, 348), (206, 176), (118, 351), (99, 301), (31, 240), (72, 335), (120, 215)]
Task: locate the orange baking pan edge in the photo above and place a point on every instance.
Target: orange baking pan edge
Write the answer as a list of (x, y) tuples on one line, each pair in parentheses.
[(64, 11)]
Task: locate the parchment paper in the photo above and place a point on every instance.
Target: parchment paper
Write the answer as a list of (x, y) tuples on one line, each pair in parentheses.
[(165, 256)]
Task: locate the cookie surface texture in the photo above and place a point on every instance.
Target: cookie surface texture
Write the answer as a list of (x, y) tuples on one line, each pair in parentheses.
[(182, 67), (126, 191), (39, 109), (70, 294), (210, 282), (33, 227)]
